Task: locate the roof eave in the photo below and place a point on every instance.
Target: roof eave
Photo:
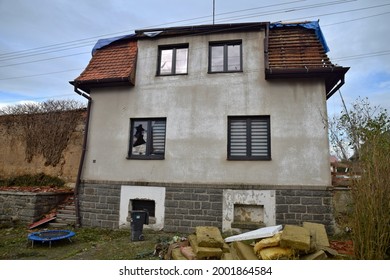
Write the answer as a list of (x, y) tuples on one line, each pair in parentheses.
[(87, 85), (334, 76), (201, 29)]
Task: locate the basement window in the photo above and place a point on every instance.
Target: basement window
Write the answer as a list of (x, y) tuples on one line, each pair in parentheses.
[(145, 205)]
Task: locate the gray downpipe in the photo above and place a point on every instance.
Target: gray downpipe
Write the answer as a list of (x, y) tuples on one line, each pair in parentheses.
[(78, 180)]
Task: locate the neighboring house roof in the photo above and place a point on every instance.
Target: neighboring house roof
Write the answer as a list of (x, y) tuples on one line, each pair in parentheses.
[(292, 50), (110, 66), (298, 50)]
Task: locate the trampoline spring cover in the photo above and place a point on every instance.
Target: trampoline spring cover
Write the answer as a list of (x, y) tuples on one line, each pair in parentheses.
[(50, 235)]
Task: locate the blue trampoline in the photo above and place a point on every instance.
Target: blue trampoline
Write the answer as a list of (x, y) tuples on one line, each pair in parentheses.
[(50, 235)]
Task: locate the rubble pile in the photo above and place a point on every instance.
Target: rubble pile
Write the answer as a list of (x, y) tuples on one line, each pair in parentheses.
[(292, 242)]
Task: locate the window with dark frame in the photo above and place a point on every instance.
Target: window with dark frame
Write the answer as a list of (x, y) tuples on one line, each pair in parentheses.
[(172, 60), (249, 138), (225, 57), (147, 138)]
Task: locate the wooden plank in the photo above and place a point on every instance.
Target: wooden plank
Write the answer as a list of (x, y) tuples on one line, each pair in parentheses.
[(42, 221)]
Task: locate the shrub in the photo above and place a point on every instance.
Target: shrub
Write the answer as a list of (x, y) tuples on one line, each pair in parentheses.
[(37, 180)]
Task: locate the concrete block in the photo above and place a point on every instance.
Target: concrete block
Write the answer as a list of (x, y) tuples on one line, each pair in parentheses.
[(204, 252), (209, 237), (320, 232), (296, 238)]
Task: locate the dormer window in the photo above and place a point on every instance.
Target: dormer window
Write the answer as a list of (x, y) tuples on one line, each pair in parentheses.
[(172, 60)]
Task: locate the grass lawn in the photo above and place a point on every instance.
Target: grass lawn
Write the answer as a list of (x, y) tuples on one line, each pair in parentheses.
[(87, 244)]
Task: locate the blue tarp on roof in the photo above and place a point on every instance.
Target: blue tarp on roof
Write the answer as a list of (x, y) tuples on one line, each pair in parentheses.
[(105, 42), (309, 25)]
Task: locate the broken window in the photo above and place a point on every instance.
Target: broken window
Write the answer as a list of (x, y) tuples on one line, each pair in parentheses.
[(147, 138), (249, 138), (173, 60), (225, 57)]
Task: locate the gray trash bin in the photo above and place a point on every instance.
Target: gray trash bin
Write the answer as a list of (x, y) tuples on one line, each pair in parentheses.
[(138, 219)]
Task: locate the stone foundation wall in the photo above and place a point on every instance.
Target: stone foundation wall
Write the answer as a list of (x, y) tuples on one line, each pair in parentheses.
[(99, 205), (297, 206), (27, 207), (189, 206)]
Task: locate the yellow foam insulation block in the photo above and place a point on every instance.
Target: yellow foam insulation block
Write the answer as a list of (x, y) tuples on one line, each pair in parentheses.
[(204, 252), (320, 232), (267, 242), (276, 253), (177, 255), (209, 237), (295, 237), (244, 251)]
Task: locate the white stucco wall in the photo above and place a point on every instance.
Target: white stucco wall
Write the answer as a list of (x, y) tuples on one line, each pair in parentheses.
[(196, 107)]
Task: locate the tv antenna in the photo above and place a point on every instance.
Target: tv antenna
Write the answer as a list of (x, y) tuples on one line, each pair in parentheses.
[(213, 12)]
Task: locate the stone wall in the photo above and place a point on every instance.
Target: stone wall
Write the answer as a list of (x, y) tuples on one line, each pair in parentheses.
[(99, 205), (27, 207), (187, 208), (297, 206)]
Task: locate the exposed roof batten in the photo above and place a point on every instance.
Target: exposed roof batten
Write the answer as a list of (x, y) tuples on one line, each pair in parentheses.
[(298, 50)]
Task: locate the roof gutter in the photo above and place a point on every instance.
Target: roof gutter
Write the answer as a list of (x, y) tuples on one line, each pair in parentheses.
[(78, 180)]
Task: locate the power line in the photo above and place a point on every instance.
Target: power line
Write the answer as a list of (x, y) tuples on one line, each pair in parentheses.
[(87, 41), (44, 59), (41, 74), (29, 54), (301, 7)]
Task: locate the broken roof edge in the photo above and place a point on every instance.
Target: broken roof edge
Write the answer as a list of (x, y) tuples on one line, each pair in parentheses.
[(209, 28), (205, 28), (305, 24), (180, 30), (101, 43)]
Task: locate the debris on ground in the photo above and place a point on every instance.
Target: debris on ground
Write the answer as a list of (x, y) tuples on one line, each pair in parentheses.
[(291, 242)]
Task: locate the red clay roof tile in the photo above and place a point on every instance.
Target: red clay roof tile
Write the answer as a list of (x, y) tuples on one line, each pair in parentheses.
[(114, 63)]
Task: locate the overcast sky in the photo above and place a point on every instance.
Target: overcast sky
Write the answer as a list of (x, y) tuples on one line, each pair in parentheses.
[(44, 44)]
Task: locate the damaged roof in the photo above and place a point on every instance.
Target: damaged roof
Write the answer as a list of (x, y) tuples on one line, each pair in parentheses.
[(298, 50), (292, 50)]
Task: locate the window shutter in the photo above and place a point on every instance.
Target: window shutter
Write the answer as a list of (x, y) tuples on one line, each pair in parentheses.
[(249, 138), (238, 138), (158, 137), (259, 139)]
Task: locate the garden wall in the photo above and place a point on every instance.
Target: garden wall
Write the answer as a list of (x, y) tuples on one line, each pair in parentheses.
[(17, 157), (27, 207)]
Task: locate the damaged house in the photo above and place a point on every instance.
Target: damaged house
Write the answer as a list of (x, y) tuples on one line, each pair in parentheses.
[(210, 125)]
